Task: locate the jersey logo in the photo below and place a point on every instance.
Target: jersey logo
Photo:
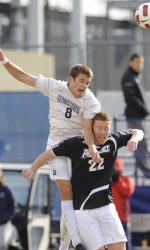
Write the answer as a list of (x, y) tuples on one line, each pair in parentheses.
[(105, 149), (73, 106), (85, 154)]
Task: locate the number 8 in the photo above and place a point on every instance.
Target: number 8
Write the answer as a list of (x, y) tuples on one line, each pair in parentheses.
[(68, 113)]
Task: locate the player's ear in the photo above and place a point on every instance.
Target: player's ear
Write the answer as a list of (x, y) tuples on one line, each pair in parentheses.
[(70, 78)]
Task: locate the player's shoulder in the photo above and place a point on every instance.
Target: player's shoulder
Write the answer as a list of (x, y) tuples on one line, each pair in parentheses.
[(111, 138), (59, 83), (62, 83), (112, 141), (51, 81), (123, 133), (88, 94)]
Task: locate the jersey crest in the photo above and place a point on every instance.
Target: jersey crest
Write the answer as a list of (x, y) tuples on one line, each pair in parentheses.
[(69, 103), (85, 154), (105, 149)]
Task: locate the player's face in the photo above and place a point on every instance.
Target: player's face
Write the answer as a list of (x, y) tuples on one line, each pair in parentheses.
[(137, 64), (101, 130), (79, 85)]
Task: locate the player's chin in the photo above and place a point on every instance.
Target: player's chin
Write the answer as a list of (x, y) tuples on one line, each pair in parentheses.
[(100, 141), (80, 93)]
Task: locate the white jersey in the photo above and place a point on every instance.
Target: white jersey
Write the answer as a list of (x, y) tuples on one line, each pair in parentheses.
[(66, 112)]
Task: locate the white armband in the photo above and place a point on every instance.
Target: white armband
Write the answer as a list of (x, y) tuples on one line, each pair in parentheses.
[(5, 61)]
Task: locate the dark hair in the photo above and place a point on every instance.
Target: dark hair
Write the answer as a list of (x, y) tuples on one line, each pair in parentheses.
[(102, 116), (81, 69), (135, 55)]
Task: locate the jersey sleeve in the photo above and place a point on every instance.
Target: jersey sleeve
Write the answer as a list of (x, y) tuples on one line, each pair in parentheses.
[(44, 84), (91, 106), (67, 148), (123, 137)]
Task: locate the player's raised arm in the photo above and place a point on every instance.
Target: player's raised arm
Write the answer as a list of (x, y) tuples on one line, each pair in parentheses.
[(16, 71), (137, 135), (41, 160)]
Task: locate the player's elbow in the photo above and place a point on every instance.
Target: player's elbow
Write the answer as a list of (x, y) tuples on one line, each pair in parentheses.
[(138, 133)]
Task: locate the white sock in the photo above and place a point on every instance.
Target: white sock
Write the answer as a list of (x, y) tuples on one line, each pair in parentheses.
[(68, 214), (64, 236)]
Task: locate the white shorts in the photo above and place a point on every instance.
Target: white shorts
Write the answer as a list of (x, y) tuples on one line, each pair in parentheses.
[(100, 227), (60, 168)]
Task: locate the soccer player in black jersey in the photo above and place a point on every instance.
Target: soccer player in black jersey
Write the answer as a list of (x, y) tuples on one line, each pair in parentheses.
[(97, 219)]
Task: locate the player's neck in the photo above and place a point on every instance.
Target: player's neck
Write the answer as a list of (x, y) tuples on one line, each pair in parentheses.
[(69, 87)]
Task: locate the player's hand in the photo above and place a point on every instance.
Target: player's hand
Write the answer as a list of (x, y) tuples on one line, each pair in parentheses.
[(94, 154), (28, 173), (132, 145), (2, 57)]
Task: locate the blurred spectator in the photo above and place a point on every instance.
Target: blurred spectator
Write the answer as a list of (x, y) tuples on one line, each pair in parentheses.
[(123, 187), (6, 213), (136, 110)]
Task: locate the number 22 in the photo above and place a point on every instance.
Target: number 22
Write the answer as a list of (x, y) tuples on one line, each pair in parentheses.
[(96, 166)]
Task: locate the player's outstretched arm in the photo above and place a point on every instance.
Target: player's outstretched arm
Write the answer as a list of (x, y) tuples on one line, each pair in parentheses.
[(41, 160), (137, 135), (16, 71)]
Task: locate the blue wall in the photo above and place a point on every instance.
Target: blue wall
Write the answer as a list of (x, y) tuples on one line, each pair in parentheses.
[(24, 126)]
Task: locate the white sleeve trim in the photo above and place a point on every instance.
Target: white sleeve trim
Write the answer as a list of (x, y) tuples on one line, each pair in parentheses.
[(93, 192), (115, 143)]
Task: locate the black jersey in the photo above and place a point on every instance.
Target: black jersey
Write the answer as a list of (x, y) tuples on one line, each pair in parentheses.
[(133, 94), (91, 181)]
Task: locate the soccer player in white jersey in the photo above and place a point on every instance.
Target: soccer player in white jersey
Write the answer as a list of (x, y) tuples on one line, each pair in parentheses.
[(98, 222), (71, 109)]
